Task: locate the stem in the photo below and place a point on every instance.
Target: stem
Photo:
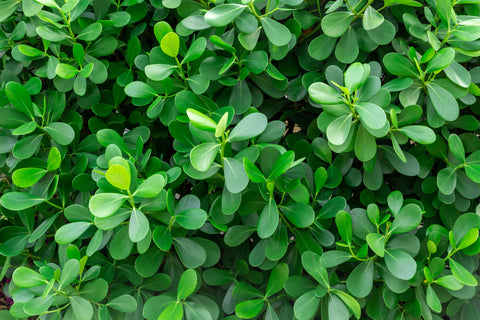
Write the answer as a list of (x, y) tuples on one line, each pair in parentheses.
[(54, 205)]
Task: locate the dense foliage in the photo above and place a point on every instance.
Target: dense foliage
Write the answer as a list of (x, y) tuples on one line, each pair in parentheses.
[(288, 159)]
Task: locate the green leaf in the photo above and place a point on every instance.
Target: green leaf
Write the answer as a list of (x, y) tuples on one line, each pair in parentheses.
[(60, 132), (371, 18), (68, 233), (420, 134), (447, 180), (277, 279), (310, 262), (150, 187), (158, 72), (283, 163), (69, 273), (253, 173), (249, 127), (371, 115), (124, 303), (54, 159), (138, 89), (335, 24), (444, 9), (337, 309), (170, 44), (268, 220), (51, 33), (324, 94), (118, 177), (355, 76), (17, 201), (66, 71), (444, 103), (365, 145), (306, 306), (338, 129), (399, 65), (192, 218), (441, 60), (139, 226), (377, 243), (223, 14), (469, 239), (407, 219), (201, 121), (187, 284), (343, 220), (400, 264), (249, 309), (197, 48), (190, 253), (300, 214), (432, 300), (350, 302), (449, 282), (27, 147), (27, 278), (236, 179), (455, 146), (82, 309), (334, 258), (27, 177), (203, 155), (174, 311), (461, 274), (347, 49), (105, 204), (277, 33), (91, 32), (360, 280), (19, 98)]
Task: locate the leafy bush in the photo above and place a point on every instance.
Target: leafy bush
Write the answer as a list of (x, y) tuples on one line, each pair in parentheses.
[(285, 159)]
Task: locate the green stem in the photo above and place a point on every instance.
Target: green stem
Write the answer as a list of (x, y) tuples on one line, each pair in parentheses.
[(54, 205)]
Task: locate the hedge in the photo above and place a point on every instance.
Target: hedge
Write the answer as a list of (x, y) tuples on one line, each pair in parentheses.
[(240, 159)]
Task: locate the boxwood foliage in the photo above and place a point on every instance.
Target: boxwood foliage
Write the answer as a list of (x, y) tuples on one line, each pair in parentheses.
[(240, 159)]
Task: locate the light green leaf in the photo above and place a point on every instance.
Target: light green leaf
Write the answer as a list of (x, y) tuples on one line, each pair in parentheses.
[(420, 134), (170, 44), (249, 127), (360, 280), (159, 72), (27, 278), (82, 309), (139, 226), (17, 201), (118, 177), (236, 179), (400, 264), (335, 24), (371, 18), (407, 219), (444, 103), (371, 115), (138, 89), (447, 180), (277, 33), (192, 218), (223, 14), (70, 232), (187, 284), (338, 129), (462, 274), (377, 243), (105, 204), (203, 155), (268, 220), (60, 132), (324, 94), (27, 177)]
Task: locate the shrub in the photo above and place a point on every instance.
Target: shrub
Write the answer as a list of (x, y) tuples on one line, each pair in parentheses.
[(284, 159)]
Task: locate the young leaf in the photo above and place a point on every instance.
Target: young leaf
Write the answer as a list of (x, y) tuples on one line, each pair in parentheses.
[(268, 220)]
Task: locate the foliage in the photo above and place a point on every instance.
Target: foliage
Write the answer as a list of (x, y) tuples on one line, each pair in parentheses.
[(240, 159)]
